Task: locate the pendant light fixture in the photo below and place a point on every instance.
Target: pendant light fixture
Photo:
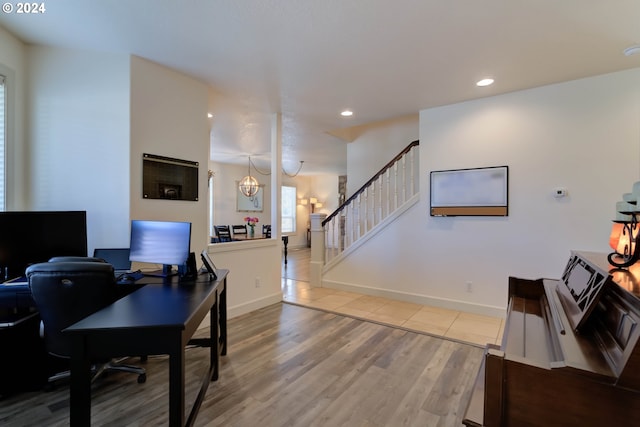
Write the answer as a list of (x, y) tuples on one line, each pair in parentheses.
[(248, 185)]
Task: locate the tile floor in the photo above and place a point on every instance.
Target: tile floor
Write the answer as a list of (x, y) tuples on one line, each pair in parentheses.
[(461, 326)]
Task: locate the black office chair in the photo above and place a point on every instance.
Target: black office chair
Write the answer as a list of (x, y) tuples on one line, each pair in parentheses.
[(66, 292), (75, 259), (266, 230), (223, 234), (239, 230), (123, 289)]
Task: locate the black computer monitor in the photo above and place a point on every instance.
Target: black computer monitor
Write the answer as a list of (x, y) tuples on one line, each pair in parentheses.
[(160, 242), (29, 237), (117, 257)]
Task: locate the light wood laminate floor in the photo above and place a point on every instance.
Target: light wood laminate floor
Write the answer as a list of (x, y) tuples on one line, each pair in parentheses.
[(287, 366), (456, 325), (292, 366)]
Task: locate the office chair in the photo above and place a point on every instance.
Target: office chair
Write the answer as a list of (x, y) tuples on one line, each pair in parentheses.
[(75, 259), (66, 292), (223, 234), (266, 230), (239, 229)]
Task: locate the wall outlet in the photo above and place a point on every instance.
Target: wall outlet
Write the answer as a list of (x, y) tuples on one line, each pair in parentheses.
[(258, 283), (469, 286)]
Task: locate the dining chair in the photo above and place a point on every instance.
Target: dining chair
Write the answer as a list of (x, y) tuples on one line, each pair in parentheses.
[(239, 229), (223, 234)]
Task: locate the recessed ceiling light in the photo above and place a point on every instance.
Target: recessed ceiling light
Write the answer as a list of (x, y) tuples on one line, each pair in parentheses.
[(209, 115), (632, 50), (484, 82), (346, 113)]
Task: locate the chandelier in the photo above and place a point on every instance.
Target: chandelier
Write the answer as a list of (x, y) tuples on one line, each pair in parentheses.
[(248, 185), (290, 175)]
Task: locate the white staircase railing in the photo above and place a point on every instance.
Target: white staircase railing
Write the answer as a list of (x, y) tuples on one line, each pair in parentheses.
[(380, 197)]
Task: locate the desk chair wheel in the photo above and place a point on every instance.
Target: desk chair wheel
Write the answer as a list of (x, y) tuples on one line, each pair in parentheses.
[(142, 378)]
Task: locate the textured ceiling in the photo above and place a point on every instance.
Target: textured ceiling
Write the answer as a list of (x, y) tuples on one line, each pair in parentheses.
[(309, 59)]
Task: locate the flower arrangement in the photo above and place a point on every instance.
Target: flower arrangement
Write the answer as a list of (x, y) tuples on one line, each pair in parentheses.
[(251, 221)]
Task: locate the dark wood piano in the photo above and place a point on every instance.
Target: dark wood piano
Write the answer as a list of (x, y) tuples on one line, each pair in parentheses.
[(569, 355)]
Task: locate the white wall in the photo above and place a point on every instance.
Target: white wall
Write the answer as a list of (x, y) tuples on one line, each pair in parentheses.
[(13, 63), (169, 118), (78, 110), (90, 117), (374, 145), (583, 135), (324, 187), (255, 267), (303, 186), (255, 275), (225, 184)]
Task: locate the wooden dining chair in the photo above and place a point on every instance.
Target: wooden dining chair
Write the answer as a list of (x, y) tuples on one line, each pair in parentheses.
[(239, 229), (223, 234)]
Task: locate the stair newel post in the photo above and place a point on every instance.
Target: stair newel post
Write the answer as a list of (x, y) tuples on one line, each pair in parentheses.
[(317, 248)]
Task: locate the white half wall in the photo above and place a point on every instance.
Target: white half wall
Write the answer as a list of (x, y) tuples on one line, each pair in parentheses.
[(254, 279), (583, 135)]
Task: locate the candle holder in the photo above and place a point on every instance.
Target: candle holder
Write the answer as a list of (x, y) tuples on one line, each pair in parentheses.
[(624, 240)]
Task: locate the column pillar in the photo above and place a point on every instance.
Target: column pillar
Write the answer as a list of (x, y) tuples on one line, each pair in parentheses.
[(317, 249)]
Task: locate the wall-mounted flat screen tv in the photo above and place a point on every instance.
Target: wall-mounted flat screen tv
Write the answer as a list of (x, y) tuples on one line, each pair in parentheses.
[(168, 178), (470, 192)]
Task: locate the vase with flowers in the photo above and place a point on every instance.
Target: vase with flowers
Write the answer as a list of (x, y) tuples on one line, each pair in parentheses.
[(251, 222)]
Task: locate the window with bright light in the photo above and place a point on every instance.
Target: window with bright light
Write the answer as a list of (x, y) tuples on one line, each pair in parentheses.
[(288, 209), (3, 139)]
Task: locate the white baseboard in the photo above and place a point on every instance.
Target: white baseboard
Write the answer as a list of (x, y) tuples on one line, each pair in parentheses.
[(486, 310), (250, 306)]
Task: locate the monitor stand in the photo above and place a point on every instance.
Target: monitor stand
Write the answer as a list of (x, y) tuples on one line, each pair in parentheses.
[(165, 272)]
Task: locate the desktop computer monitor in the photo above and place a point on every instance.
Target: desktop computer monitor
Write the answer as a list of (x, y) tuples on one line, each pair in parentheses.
[(30, 237), (160, 242)]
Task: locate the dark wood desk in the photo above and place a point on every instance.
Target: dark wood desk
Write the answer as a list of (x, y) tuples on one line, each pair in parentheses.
[(159, 318)]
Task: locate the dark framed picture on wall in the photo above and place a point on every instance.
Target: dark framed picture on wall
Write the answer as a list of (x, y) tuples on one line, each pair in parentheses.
[(249, 204), (168, 178)]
